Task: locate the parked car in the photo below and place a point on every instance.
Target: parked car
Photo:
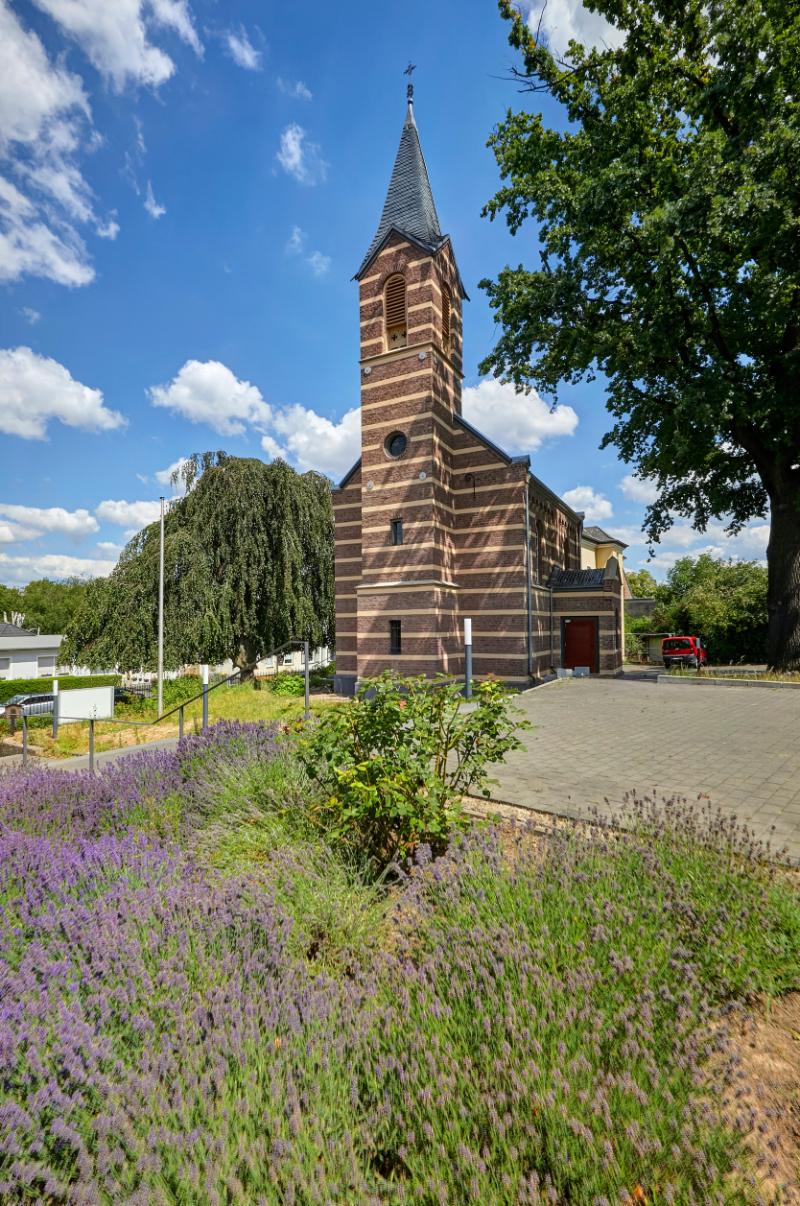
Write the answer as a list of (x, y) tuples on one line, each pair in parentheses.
[(683, 651), (34, 703)]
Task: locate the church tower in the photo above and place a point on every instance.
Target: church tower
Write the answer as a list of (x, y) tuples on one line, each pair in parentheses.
[(436, 524), (396, 593)]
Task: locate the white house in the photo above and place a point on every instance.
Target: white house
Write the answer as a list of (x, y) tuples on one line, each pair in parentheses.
[(25, 654)]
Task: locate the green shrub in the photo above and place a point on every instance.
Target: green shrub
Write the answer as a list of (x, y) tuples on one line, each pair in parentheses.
[(395, 763), (288, 684), (66, 682)]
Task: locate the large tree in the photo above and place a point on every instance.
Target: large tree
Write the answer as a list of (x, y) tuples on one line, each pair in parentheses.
[(725, 602), (248, 556), (668, 212)]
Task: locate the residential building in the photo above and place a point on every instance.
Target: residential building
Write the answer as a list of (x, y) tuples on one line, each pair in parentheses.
[(27, 654)]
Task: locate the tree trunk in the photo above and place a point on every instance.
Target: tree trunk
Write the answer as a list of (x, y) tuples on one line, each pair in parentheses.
[(783, 595), (246, 658)]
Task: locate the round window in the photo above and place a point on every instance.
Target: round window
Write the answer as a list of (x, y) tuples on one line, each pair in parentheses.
[(396, 444)]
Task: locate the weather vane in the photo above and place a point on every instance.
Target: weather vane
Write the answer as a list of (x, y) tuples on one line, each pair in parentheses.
[(410, 69)]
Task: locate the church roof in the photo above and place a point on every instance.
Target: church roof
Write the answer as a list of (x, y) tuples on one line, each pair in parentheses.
[(409, 208), (600, 536), (582, 579)]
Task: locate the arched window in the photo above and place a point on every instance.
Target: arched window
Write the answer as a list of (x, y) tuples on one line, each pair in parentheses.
[(447, 305), (395, 311)]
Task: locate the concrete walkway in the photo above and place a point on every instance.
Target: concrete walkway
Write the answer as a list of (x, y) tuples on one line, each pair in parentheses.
[(599, 738)]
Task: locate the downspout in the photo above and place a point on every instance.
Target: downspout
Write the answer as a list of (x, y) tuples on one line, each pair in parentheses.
[(552, 659), (528, 572)]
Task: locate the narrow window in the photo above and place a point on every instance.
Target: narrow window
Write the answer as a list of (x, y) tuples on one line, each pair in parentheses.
[(446, 308), (395, 311), (395, 640), (397, 531)]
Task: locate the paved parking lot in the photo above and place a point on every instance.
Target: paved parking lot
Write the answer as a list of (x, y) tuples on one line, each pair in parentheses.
[(597, 738)]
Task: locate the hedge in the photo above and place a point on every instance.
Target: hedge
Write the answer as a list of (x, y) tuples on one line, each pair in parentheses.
[(66, 682)]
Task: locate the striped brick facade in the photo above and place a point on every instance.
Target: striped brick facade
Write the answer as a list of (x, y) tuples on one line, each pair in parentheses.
[(481, 535)]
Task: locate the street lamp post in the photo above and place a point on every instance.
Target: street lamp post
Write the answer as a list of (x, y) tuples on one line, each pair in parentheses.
[(161, 612)]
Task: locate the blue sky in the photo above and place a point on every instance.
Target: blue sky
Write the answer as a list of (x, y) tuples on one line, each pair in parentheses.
[(186, 189)]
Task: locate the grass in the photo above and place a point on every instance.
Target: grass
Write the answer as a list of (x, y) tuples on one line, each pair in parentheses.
[(227, 703), (207, 998), (728, 672)]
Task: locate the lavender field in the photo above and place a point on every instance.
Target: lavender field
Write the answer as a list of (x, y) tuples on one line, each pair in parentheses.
[(207, 998)]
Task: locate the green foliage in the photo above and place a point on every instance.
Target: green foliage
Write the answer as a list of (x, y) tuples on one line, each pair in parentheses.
[(288, 684), (634, 647), (669, 225), (395, 763), (642, 583), (66, 682), (46, 605), (261, 823), (248, 566), (725, 602)]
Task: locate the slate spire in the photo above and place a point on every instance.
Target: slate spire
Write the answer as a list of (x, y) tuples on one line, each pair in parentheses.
[(409, 207)]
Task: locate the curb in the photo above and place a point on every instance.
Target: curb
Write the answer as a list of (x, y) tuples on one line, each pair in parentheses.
[(726, 682)]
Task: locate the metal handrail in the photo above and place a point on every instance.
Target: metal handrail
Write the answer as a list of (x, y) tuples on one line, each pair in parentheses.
[(179, 708)]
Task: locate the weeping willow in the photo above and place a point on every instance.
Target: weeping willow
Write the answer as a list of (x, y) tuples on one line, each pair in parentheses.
[(248, 566)]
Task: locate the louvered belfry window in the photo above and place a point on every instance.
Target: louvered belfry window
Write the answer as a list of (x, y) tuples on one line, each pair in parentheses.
[(446, 309), (395, 311)]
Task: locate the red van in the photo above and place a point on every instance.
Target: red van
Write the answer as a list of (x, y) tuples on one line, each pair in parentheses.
[(683, 651)]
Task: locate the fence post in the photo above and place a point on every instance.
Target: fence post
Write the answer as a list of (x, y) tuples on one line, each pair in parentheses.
[(205, 697), (55, 708), (468, 659), (180, 724), (91, 745), (24, 739), (308, 680)]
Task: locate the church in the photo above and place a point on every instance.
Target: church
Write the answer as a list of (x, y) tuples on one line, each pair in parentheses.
[(435, 524)]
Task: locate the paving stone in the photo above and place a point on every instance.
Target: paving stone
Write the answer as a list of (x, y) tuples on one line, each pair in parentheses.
[(597, 738)]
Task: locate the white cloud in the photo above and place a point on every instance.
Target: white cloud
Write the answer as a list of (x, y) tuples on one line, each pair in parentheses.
[(110, 229), (517, 422), (164, 476), (682, 540), (296, 241), (319, 263), (35, 389), (595, 506), (12, 532), (296, 89), (155, 210), (44, 117), (30, 315), (317, 443), (316, 260), (208, 392), (32, 90), (108, 546), (51, 565), (638, 490), (300, 158), (75, 524), (273, 449), (242, 50), (133, 516), (176, 15), (115, 35), (563, 21)]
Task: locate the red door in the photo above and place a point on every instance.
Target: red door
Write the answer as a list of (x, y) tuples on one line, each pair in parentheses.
[(580, 644)]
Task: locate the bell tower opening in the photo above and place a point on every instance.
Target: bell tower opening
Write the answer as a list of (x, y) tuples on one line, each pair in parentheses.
[(394, 310)]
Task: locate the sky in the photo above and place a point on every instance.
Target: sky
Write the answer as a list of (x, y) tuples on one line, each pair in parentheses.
[(186, 189)]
